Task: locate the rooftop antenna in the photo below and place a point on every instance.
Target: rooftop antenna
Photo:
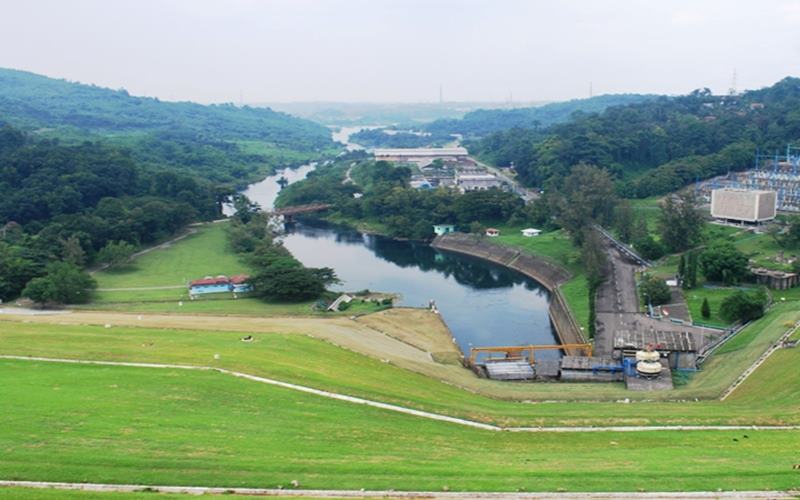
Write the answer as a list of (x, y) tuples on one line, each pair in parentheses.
[(732, 90)]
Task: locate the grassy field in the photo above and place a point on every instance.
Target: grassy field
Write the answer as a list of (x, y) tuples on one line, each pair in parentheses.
[(193, 428), (555, 246), (306, 360), (715, 296), (156, 281), (204, 253)]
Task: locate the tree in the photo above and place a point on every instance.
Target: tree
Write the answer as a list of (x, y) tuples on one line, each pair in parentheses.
[(705, 309), (680, 222), (15, 271), (287, 280), (245, 209), (624, 221), (681, 268), (595, 261), (724, 262), (587, 197), (116, 254), (639, 230), (654, 290), (63, 283), (73, 251), (792, 235), (691, 271), (743, 306), (775, 232), (649, 248)]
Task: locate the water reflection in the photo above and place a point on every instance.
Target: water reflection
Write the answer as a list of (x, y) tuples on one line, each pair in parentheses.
[(482, 303)]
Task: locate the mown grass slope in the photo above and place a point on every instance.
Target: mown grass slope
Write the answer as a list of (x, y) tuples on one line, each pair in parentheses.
[(155, 426), (305, 360)]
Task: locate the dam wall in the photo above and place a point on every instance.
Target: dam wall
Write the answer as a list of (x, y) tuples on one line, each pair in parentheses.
[(550, 275)]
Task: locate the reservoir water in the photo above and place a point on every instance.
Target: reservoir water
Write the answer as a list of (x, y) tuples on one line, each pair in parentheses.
[(482, 303)]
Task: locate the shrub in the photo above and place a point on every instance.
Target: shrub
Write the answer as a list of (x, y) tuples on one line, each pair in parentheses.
[(724, 262), (743, 306), (654, 290), (705, 309)]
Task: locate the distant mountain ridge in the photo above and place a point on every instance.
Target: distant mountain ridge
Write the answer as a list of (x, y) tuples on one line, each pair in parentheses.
[(485, 121), (222, 143), (28, 100)]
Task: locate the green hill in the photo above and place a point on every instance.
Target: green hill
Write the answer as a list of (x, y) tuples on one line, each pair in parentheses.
[(221, 142), (485, 121), (658, 145)]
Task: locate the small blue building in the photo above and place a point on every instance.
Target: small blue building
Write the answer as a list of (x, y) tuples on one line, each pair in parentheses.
[(220, 284), (440, 229)]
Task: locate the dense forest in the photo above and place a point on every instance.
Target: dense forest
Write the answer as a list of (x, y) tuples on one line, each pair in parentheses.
[(224, 142), (486, 121), (67, 202), (657, 146)]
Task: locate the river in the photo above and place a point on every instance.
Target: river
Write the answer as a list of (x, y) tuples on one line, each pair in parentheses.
[(482, 303)]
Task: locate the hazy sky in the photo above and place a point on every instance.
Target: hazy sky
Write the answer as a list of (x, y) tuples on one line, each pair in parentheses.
[(391, 50)]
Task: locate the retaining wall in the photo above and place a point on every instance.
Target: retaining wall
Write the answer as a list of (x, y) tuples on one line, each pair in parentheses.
[(545, 272)]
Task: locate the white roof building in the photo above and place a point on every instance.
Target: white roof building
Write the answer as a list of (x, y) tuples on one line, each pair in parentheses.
[(530, 232), (743, 205)]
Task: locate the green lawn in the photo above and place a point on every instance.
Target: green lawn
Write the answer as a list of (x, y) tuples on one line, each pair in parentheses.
[(555, 246), (715, 296), (305, 360), (157, 426), (576, 294), (205, 253)]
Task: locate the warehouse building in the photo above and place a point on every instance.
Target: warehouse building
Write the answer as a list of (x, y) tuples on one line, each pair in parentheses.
[(743, 205), (421, 156)]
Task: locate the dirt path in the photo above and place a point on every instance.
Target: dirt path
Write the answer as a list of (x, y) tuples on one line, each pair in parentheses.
[(404, 409), (206, 490)]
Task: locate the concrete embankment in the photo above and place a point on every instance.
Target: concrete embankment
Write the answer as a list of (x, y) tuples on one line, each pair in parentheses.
[(548, 274)]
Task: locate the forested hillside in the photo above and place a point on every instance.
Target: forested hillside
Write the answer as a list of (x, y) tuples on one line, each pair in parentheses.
[(66, 203), (657, 146), (221, 142), (485, 121)]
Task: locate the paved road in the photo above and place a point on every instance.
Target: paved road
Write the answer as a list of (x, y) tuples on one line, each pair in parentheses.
[(526, 194), (206, 490), (406, 410)]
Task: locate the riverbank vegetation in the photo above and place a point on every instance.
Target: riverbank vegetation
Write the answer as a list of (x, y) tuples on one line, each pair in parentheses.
[(277, 275), (378, 193)]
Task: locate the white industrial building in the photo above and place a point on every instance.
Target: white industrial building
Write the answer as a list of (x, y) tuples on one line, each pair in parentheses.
[(476, 182), (743, 205), (421, 156)]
